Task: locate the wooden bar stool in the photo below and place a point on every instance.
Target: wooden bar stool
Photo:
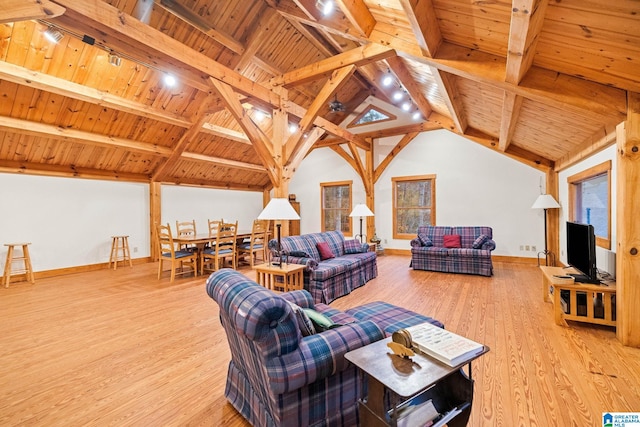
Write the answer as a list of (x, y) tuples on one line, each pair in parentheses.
[(25, 258), (119, 251)]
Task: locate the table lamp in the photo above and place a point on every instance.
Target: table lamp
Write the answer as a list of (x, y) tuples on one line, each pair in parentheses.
[(361, 210), (545, 201), (279, 209)]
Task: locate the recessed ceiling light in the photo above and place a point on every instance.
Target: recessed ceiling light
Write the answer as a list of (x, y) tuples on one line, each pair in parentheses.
[(416, 115), (398, 95), (325, 6), (406, 106), (169, 80), (293, 127), (387, 80)]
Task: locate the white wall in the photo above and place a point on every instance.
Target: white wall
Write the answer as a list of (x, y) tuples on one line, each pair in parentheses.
[(474, 186), (605, 259), (186, 203), (70, 221)]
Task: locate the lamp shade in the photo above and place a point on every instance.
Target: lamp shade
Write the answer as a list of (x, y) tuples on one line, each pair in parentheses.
[(545, 201), (278, 209), (361, 210)]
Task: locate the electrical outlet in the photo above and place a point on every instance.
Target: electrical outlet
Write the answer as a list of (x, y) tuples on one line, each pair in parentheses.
[(135, 249), (522, 247), (526, 248), (533, 248), (385, 241)]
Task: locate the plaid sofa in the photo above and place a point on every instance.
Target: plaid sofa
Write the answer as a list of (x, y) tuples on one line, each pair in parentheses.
[(428, 251), (332, 278), (277, 377)]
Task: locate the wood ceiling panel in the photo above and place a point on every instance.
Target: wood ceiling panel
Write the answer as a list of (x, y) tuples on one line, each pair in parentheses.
[(550, 132), (602, 45), (422, 75), (482, 105)]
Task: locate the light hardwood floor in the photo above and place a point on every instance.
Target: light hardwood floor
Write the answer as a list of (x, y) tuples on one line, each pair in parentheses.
[(122, 348)]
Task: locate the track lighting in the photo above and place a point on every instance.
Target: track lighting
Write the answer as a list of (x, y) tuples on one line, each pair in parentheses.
[(325, 6), (387, 80), (53, 35), (114, 60)]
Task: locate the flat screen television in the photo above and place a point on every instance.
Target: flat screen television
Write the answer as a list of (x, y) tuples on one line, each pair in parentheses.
[(581, 251)]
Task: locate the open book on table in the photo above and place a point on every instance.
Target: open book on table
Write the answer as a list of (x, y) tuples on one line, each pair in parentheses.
[(443, 345)]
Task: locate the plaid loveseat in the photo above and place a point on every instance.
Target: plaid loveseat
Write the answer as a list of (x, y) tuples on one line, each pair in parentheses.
[(277, 377), (473, 257), (331, 278)]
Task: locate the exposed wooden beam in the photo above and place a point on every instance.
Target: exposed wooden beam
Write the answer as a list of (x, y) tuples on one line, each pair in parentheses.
[(527, 17), (199, 118), (424, 23), (23, 76), (223, 185), (43, 169), (392, 154), (360, 169), (257, 37), (359, 56), (195, 20), (346, 156), (511, 104), (451, 96), (415, 91), (260, 141), (220, 131), (544, 86), (223, 162), (601, 139), (296, 158), (26, 127), (123, 32), (434, 122), (24, 10), (358, 15), (296, 140)]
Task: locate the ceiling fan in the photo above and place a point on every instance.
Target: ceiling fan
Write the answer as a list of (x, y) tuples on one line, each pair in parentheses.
[(336, 106)]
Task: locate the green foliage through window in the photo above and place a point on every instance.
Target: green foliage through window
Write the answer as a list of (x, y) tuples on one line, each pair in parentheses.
[(336, 206), (414, 204)]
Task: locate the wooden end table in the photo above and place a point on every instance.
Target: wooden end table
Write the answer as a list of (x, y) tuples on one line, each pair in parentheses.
[(285, 277), (449, 388)]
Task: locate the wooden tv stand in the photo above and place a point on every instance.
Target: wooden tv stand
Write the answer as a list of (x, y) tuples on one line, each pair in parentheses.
[(598, 300)]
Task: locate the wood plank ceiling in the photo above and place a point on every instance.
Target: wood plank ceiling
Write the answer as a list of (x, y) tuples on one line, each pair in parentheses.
[(541, 81)]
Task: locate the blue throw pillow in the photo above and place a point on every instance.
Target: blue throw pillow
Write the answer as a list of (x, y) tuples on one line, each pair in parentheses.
[(352, 247), (477, 244), (304, 323), (424, 239)]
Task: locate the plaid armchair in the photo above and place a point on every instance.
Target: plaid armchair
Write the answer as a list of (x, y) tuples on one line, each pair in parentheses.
[(276, 377)]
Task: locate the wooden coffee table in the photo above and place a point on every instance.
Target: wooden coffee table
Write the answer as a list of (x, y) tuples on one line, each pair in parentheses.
[(449, 388), (285, 277)]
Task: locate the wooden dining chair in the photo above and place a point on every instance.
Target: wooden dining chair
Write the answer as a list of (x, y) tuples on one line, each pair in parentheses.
[(186, 228), (257, 243), (223, 247), (177, 258)]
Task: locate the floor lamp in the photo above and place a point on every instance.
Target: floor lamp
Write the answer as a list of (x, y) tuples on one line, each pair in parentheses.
[(361, 210), (546, 201), (279, 210)]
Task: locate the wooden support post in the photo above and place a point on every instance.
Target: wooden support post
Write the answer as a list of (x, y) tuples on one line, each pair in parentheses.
[(628, 224), (155, 217), (553, 217)]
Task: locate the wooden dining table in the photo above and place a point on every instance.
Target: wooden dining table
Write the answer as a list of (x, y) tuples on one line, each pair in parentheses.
[(201, 240)]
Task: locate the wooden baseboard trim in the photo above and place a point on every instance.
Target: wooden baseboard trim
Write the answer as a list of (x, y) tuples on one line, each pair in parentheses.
[(497, 258), (79, 269)]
